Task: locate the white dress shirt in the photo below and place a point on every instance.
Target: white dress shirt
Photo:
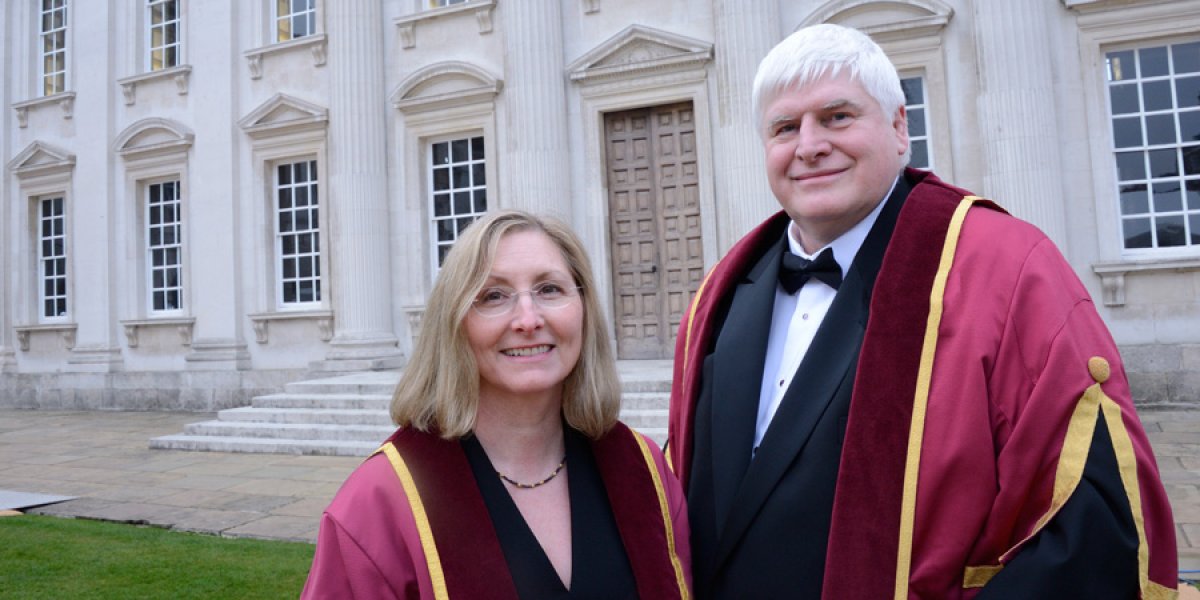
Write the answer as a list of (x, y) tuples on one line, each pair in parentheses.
[(795, 318)]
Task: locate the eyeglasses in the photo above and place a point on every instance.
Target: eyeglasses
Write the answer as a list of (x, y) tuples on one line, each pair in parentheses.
[(496, 301)]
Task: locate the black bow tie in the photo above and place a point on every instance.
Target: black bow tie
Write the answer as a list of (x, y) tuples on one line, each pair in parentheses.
[(794, 271)]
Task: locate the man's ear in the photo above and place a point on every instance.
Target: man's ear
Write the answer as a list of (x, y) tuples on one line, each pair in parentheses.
[(900, 124)]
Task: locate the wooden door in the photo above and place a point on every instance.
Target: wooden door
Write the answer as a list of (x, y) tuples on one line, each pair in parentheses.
[(654, 225)]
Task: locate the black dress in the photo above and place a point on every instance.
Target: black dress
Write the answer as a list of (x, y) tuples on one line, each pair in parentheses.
[(600, 567)]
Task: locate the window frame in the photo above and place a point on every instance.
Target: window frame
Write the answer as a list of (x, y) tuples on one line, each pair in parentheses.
[(149, 48), (280, 278), (927, 137), (1148, 181), (63, 274), (149, 247), (275, 27), (40, 48), (471, 189)]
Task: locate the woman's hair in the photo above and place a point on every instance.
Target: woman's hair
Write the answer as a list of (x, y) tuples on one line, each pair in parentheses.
[(817, 51), (439, 390)]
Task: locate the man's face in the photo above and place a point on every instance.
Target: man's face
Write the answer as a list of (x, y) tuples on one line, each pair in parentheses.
[(832, 154)]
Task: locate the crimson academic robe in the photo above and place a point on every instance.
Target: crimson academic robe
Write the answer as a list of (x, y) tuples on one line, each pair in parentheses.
[(984, 378), (410, 523)]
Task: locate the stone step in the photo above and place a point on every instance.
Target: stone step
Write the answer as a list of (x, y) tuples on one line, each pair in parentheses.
[(641, 418), (348, 414), (207, 443), (295, 431), (306, 415), (340, 400), (645, 400)]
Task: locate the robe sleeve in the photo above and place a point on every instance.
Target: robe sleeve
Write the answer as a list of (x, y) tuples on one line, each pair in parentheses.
[(677, 505), (342, 569), (367, 545), (1080, 497)]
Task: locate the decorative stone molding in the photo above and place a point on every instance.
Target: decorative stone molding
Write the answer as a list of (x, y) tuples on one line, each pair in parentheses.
[(184, 326), (445, 85), (65, 101), (1112, 274), (591, 6), (640, 51), (415, 314), (885, 21), (181, 74), (66, 330), (316, 44), (407, 25), (283, 114), (323, 318), (153, 137), (40, 159)]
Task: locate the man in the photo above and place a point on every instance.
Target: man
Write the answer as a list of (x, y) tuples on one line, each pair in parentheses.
[(930, 408)]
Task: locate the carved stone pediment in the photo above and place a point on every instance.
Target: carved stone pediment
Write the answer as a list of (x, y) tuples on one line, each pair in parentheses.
[(885, 20), (637, 51), (153, 136), (40, 158), (283, 114), (444, 85)]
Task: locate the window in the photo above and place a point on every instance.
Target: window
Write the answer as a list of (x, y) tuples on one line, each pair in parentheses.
[(163, 44), (295, 19), (297, 234), (164, 247), (53, 44), (918, 132), (458, 190), (52, 257), (1154, 108), (441, 3)]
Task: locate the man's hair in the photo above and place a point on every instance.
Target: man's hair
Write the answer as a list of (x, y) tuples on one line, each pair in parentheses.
[(439, 390), (822, 50)]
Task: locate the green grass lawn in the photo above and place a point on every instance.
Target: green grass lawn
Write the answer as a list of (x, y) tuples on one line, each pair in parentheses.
[(48, 557)]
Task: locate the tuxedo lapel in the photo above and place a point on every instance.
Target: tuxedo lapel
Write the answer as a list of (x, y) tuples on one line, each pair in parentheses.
[(737, 375)]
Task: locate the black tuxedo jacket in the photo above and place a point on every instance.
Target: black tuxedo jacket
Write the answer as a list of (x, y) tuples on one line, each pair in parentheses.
[(760, 524)]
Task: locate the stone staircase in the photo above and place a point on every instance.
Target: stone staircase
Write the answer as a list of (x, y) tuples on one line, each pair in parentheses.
[(348, 415)]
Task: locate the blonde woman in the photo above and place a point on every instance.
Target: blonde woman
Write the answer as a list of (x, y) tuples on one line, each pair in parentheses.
[(509, 475)]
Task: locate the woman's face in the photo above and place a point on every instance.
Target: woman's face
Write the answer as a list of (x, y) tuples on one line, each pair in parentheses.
[(528, 350)]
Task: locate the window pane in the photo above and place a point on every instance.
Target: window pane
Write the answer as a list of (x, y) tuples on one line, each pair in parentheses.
[(478, 177), (477, 148), (1124, 99), (463, 223), (1137, 233), (441, 205), (1157, 95), (462, 203), (481, 200), (285, 174), (1186, 57), (1189, 126), (1192, 191), (920, 155), (914, 92), (1134, 200), (1164, 163), (1191, 160), (1131, 166), (462, 177), (1153, 61), (441, 179), (285, 198), (1170, 231), (1194, 226), (1167, 197), (1121, 66), (458, 152), (1127, 132), (1160, 129), (1187, 92), (445, 230), (441, 153), (916, 122)]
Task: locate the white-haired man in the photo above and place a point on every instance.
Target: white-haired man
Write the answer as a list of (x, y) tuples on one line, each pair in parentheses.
[(893, 389)]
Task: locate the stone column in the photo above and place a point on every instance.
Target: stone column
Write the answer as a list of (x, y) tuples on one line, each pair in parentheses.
[(745, 31), (535, 173), (364, 337), (1018, 113)]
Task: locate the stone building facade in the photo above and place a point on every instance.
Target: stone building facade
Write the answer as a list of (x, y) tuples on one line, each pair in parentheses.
[(202, 200)]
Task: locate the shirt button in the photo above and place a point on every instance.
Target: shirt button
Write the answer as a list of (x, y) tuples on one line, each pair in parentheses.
[(804, 316), (780, 383)]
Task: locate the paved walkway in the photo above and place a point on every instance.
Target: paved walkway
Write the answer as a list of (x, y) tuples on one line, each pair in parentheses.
[(103, 460)]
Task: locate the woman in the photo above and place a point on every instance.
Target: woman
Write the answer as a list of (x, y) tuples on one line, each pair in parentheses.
[(509, 475)]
